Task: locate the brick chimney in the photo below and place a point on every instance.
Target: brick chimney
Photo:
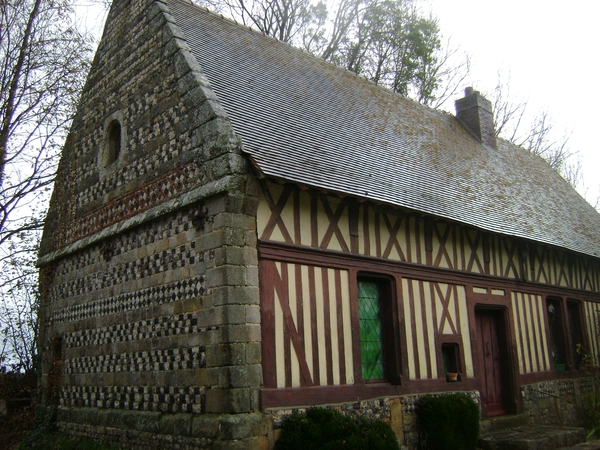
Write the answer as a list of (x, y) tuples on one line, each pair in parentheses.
[(475, 111)]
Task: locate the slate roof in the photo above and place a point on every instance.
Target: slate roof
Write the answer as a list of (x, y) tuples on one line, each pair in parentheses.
[(306, 121)]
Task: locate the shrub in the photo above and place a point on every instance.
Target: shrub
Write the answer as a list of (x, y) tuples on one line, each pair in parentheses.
[(448, 422), (589, 413), (328, 429)]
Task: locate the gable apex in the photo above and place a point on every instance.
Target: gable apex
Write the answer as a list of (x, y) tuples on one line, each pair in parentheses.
[(148, 114)]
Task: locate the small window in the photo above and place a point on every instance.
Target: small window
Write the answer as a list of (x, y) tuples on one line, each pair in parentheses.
[(113, 138), (378, 347), (112, 151), (371, 330), (578, 347), (451, 358), (556, 327)]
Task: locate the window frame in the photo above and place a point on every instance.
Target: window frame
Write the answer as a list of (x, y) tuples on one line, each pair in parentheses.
[(113, 141), (111, 154), (392, 356), (566, 334), (576, 336)]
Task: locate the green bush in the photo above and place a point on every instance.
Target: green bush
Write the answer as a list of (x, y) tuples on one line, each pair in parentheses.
[(448, 422), (589, 414), (328, 429)]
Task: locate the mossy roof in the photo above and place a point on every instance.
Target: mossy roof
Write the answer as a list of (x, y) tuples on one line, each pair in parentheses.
[(307, 121)]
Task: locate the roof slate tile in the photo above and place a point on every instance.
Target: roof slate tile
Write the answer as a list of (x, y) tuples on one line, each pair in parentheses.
[(306, 121)]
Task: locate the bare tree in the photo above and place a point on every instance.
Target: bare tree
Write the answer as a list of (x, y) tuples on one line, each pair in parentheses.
[(43, 63), (19, 303), (391, 42), (537, 132), (278, 18), (445, 76), (44, 60)]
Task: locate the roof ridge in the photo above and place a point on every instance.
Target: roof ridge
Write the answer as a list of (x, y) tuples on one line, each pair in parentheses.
[(316, 57), (311, 123)]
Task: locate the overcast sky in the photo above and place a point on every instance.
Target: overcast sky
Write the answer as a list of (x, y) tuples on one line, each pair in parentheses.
[(550, 50), (548, 47)]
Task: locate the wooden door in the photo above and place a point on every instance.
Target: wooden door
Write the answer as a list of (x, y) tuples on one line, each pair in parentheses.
[(492, 350)]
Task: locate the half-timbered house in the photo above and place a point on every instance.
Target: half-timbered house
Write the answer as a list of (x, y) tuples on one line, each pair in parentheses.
[(239, 229)]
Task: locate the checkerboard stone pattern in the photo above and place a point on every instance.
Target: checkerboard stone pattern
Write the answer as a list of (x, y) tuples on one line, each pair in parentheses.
[(150, 321)]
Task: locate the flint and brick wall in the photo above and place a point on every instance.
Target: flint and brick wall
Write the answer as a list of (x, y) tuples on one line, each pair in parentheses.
[(557, 402), (150, 306)]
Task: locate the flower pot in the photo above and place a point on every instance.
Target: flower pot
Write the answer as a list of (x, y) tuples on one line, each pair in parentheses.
[(452, 376)]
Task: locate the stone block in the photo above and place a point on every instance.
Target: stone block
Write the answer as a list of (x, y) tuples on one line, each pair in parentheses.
[(226, 355), (112, 418), (196, 95), (210, 317), (234, 314), (185, 62), (253, 352), (255, 399), (239, 376), (260, 443), (173, 46), (231, 401), (242, 295), (396, 419), (156, 9), (226, 276), (198, 339), (252, 276), (220, 165), (238, 164), (251, 239), (215, 136), (206, 426), (62, 414), (207, 111), (145, 421), (176, 424), (240, 333), (217, 204), (213, 377), (243, 426), (185, 377), (156, 23), (202, 378), (89, 416), (252, 314), (227, 219), (242, 376), (209, 241), (189, 82)]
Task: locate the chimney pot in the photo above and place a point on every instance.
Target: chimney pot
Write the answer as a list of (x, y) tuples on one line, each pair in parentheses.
[(475, 112)]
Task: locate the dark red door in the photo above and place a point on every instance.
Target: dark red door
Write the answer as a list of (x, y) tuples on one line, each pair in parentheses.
[(489, 331)]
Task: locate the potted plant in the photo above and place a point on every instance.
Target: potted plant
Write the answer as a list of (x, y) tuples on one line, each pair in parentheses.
[(583, 357), (452, 376)]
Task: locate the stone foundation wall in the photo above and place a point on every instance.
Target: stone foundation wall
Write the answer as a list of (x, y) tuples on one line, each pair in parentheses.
[(134, 430), (399, 412), (556, 402)]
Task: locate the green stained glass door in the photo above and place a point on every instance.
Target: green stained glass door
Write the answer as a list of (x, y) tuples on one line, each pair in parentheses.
[(371, 332)]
